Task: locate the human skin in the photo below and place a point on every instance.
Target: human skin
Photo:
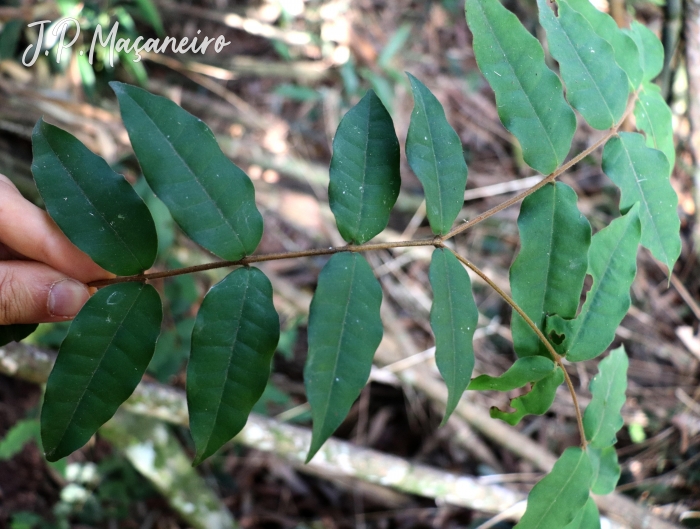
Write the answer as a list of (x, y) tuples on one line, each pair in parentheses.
[(43, 275)]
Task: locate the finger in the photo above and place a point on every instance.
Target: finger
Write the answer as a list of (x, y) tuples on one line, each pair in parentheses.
[(35, 293), (29, 230)]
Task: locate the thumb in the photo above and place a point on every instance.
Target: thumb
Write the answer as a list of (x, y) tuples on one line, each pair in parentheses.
[(36, 293)]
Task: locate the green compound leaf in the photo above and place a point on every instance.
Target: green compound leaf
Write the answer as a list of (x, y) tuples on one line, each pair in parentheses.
[(651, 51), (536, 402), (587, 518), (612, 260), (626, 52), (453, 318), (642, 174), (547, 276), (606, 469), (364, 174), (211, 199), (529, 95), (344, 332), (560, 495), (233, 341), (653, 117), (595, 85), (523, 371), (95, 207), (102, 359), (435, 154), (15, 332), (602, 418)]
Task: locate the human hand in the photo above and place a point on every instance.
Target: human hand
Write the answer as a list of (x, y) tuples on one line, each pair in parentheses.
[(43, 275)]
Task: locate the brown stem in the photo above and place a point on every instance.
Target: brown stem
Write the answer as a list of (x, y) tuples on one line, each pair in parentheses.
[(557, 358), (546, 180), (265, 257)]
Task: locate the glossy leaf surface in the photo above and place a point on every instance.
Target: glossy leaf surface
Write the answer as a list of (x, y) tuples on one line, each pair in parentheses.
[(587, 518), (602, 418), (211, 199), (453, 318), (626, 52), (595, 85), (529, 95), (642, 174), (344, 332), (364, 173), (16, 332), (612, 261), (536, 402), (233, 341), (523, 371), (435, 154), (100, 362), (651, 51), (95, 207), (547, 276), (560, 495), (606, 469), (653, 117)]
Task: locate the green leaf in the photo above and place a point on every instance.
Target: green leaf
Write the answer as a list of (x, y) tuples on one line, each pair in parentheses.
[(626, 52), (210, 198), (595, 85), (606, 469), (587, 518), (453, 318), (17, 437), (435, 154), (653, 117), (524, 370), (560, 495), (150, 13), (529, 95), (547, 276), (364, 174), (642, 174), (16, 332), (536, 402), (612, 262), (344, 332), (95, 207), (602, 418), (651, 51), (233, 341), (102, 359)]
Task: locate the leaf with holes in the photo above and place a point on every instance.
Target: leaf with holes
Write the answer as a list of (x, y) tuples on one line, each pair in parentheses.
[(536, 402), (345, 329), (529, 96), (641, 174), (364, 174), (95, 207), (211, 199), (435, 154), (612, 262), (233, 341), (595, 85), (653, 117), (100, 362), (547, 276), (453, 318), (523, 371)]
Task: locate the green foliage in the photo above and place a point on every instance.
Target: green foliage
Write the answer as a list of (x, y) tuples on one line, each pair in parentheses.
[(654, 119), (524, 370), (364, 173), (535, 402), (606, 470), (651, 51), (547, 276), (435, 154), (529, 95), (17, 437), (233, 340), (587, 518), (453, 318), (344, 332), (108, 347)]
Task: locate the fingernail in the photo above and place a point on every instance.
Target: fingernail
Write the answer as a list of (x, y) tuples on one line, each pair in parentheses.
[(67, 297)]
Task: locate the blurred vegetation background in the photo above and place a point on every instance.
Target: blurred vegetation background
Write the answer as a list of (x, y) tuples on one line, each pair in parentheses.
[(274, 98)]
